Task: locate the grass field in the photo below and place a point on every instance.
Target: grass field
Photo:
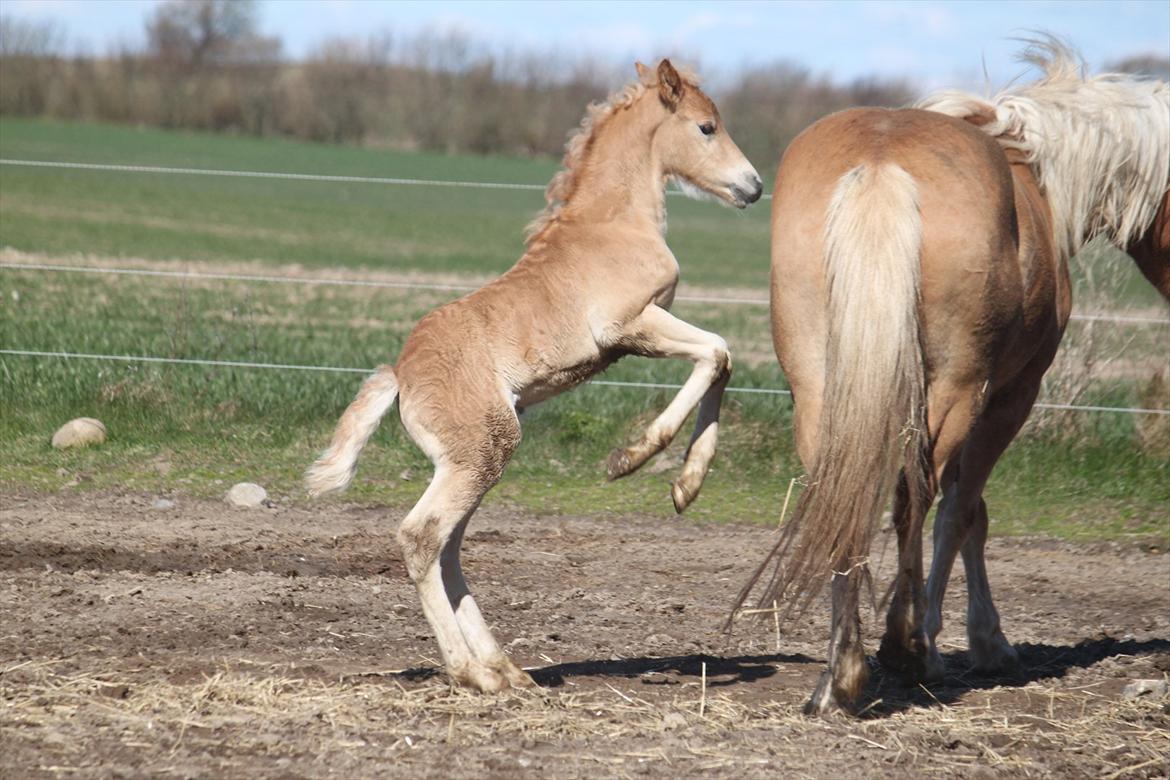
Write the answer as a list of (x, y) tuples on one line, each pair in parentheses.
[(197, 430)]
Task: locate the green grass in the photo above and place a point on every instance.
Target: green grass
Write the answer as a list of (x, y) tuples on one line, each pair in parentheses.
[(316, 224), (196, 430)]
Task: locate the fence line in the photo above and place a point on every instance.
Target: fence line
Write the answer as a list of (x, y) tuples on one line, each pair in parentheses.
[(429, 286), (479, 185), (599, 382), (163, 169)]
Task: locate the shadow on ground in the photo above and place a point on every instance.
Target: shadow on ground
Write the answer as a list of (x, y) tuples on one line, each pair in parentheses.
[(888, 692)]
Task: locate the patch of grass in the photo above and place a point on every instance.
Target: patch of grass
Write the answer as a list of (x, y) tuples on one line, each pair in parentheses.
[(197, 430), (316, 224)]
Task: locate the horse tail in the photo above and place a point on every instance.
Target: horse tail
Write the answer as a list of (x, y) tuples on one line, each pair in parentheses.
[(872, 420), (336, 466)]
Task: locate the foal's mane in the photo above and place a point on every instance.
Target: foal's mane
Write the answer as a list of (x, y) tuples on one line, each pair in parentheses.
[(562, 185), (1100, 146)]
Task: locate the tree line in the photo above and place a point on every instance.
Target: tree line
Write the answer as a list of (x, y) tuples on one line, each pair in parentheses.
[(205, 66)]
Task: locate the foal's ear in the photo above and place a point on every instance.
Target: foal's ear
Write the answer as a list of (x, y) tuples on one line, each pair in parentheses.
[(670, 85), (645, 75)]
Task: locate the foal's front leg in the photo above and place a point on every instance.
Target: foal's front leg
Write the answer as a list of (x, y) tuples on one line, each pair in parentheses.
[(657, 333)]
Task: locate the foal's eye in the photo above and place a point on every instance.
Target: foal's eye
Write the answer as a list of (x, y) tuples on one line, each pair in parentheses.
[(707, 128)]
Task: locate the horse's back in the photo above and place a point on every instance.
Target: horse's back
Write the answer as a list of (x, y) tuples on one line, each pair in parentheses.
[(961, 174), (966, 208)]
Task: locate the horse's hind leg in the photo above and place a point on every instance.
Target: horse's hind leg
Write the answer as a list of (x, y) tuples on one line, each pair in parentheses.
[(841, 684), (988, 648), (961, 524)]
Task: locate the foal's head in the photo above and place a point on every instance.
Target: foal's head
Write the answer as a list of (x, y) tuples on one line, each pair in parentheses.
[(693, 144)]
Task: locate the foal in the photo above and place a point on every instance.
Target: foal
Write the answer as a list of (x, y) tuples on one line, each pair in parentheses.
[(919, 292), (595, 284)]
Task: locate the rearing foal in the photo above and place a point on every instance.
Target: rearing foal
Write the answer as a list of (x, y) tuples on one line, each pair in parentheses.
[(594, 285)]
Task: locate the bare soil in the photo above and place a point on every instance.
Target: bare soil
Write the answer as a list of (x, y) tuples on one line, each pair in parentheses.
[(204, 641)]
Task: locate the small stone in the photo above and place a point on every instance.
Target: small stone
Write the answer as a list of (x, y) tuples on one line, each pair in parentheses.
[(162, 503), (247, 495), (80, 432), (1154, 689)]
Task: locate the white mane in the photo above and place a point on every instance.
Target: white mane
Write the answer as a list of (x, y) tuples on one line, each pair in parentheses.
[(1100, 146)]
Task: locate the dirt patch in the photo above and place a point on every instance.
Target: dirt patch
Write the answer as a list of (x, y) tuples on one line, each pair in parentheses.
[(286, 642)]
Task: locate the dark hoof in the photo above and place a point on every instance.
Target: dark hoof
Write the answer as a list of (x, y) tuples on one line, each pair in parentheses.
[(681, 496)]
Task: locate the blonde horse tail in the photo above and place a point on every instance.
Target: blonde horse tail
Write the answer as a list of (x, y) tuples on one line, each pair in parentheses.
[(336, 466), (873, 412)]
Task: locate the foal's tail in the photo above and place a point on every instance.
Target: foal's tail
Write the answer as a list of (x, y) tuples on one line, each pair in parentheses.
[(335, 468), (872, 420)]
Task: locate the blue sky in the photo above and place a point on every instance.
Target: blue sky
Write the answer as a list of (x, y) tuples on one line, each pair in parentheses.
[(932, 43)]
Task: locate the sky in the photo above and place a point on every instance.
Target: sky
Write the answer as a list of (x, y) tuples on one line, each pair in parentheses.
[(930, 43)]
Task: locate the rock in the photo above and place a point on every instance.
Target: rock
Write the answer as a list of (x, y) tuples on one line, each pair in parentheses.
[(81, 432), (1154, 689), (247, 495), (162, 503)]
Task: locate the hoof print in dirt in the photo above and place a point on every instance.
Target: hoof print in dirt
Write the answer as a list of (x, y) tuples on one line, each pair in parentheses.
[(80, 432), (247, 495)]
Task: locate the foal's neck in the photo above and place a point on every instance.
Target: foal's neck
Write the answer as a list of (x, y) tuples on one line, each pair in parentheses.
[(621, 178)]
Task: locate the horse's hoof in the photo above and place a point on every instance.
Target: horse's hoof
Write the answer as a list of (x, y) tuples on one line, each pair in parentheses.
[(994, 656), (823, 703), (618, 464), (919, 664)]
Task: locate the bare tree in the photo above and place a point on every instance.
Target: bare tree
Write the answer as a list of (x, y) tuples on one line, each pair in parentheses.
[(24, 38), (196, 32)]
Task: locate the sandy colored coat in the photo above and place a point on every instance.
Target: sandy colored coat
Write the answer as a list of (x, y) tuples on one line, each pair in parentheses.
[(595, 284), (919, 292)]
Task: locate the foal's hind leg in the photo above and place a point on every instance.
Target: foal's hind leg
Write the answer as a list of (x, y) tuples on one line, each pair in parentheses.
[(469, 459), (475, 629)]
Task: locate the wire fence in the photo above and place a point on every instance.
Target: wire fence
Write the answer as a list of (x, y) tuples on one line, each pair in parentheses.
[(279, 279), (316, 280), (596, 382)]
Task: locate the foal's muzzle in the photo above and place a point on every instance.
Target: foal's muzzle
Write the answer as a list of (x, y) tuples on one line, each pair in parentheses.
[(749, 193)]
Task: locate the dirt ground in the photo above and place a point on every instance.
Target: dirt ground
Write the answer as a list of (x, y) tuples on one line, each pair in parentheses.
[(197, 640)]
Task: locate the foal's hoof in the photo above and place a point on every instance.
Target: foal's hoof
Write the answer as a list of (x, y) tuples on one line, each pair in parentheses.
[(480, 678), (682, 496), (516, 677), (618, 464)]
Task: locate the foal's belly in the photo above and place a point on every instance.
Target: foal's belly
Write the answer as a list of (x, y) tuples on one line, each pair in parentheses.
[(549, 381)]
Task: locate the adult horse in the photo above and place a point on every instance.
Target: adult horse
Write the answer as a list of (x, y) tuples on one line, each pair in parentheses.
[(919, 292), (595, 283)]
